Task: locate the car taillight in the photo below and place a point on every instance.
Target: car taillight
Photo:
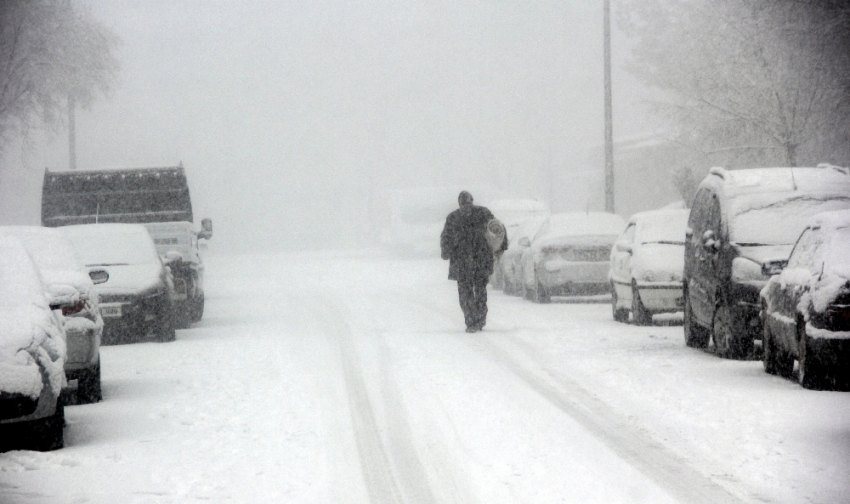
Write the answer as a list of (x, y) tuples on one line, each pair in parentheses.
[(71, 310)]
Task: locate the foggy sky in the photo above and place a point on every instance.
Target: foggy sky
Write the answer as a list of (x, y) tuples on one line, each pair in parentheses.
[(291, 117)]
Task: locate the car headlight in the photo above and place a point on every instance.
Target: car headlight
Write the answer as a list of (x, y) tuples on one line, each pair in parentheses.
[(746, 270)]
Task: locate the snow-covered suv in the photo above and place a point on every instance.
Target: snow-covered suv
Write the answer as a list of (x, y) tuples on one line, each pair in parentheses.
[(739, 220)]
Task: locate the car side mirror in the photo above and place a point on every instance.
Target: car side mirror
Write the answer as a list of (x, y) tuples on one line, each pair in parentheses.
[(524, 242), (624, 247), (99, 276), (62, 295), (206, 231), (773, 267)]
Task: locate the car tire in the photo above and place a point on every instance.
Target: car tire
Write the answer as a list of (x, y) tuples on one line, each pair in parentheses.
[(540, 294), (810, 372), (640, 315), (696, 336), (198, 309), (88, 386), (726, 343), (619, 314), (775, 360), (165, 330), (47, 434)]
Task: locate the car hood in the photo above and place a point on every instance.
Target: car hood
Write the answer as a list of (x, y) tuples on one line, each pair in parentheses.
[(556, 241), (130, 279)]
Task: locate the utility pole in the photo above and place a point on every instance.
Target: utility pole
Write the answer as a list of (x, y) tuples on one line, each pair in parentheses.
[(72, 133), (609, 129)]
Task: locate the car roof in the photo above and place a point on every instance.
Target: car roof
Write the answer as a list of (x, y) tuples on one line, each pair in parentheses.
[(821, 179)]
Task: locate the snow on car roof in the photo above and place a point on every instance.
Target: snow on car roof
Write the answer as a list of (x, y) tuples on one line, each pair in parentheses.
[(28, 329), (103, 244), (584, 223), (49, 247), (824, 178)]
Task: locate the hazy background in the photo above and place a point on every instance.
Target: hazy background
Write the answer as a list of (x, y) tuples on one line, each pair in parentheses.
[(292, 118)]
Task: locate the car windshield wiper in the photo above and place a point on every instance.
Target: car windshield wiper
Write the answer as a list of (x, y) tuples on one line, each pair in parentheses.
[(664, 242), (107, 264)]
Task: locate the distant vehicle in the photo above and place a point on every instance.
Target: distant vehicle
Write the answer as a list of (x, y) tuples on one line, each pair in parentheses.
[(569, 255), (510, 264), (58, 264), (137, 300), (806, 307), (739, 219), (32, 355), (646, 266), (512, 212), (156, 197)]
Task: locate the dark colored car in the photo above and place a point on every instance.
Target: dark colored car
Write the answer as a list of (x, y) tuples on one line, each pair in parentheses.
[(137, 301), (806, 307), (739, 220)]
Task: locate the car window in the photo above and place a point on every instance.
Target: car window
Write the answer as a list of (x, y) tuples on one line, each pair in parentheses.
[(803, 252)]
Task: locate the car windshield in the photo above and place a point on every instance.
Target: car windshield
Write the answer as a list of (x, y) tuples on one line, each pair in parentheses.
[(104, 249), (663, 228), (771, 219)]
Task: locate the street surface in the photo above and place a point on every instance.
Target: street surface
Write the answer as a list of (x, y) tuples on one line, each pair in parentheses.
[(348, 377)]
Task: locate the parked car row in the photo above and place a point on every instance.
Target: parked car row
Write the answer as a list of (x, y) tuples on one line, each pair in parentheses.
[(64, 292), (762, 255)]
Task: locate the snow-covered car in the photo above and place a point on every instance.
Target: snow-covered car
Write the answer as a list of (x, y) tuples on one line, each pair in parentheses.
[(512, 213), (32, 356), (806, 307), (646, 266), (569, 255), (137, 301), (510, 264), (739, 219), (58, 263)]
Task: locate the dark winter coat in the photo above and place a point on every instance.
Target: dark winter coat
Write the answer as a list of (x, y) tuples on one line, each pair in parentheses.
[(464, 244)]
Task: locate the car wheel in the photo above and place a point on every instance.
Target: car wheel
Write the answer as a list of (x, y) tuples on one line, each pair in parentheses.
[(619, 314), (165, 322), (640, 314), (540, 294), (810, 372), (776, 361), (48, 434), (726, 342), (88, 388), (198, 309), (696, 336)]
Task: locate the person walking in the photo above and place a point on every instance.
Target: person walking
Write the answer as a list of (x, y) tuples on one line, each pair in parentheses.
[(464, 244)]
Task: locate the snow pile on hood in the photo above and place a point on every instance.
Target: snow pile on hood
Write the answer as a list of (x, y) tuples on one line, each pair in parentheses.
[(30, 335)]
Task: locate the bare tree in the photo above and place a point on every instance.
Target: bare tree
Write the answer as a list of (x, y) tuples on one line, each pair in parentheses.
[(50, 51), (747, 82)]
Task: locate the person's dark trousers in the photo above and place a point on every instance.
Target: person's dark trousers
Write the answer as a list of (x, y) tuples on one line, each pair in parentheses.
[(472, 291)]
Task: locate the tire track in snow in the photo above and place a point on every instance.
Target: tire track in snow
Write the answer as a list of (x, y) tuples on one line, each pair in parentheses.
[(390, 467), (670, 471)]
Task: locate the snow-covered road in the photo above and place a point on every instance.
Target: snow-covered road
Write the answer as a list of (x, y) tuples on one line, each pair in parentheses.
[(347, 377)]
